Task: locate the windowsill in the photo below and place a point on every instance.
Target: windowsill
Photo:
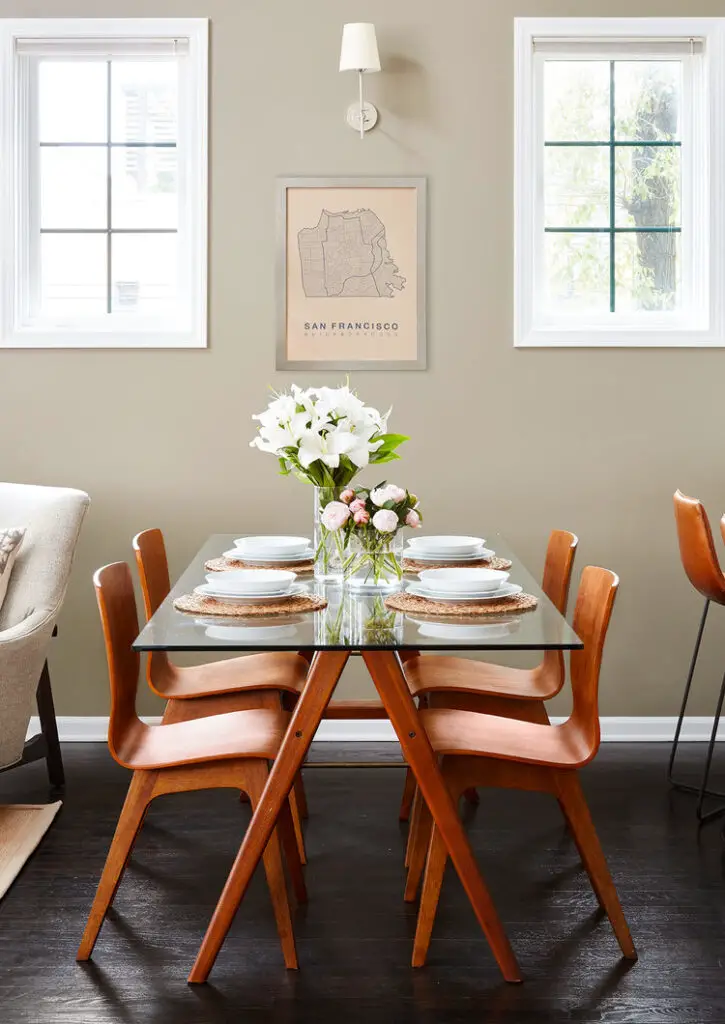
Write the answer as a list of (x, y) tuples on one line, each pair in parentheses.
[(591, 338)]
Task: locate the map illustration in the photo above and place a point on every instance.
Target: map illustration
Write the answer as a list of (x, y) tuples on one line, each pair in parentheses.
[(346, 255)]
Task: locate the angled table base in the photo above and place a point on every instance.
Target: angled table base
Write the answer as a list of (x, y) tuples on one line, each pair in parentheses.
[(387, 674)]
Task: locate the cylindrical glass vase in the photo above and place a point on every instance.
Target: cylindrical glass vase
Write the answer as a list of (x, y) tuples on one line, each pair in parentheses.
[(372, 559), (329, 544)]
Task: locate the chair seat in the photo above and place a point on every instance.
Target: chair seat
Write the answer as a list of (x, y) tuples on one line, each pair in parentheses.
[(471, 733), (240, 734), (272, 671), (434, 673)]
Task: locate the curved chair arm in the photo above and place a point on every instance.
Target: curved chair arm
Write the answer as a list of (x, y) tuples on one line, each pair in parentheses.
[(23, 650)]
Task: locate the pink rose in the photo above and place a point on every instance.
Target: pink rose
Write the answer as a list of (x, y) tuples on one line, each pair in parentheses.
[(347, 496), (385, 520), (358, 505), (413, 519), (379, 495), (335, 515), (361, 517)]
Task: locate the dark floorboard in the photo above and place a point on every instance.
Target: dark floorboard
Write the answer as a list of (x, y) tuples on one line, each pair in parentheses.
[(355, 936)]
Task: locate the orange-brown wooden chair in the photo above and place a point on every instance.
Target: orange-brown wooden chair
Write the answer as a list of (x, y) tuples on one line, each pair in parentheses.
[(486, 750), (222, 751), (235, 684), (462, 683), (701, 565)]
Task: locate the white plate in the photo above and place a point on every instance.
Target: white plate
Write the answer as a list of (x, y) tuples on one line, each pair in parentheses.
[(221, 595), (235, 555), (250, 582), (245, 633), (463, 581), (446, 545), (419, 557), (507, 590), (465, 630), (281, 547)]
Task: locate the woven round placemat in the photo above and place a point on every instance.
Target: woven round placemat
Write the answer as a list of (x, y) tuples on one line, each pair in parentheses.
[(223, 564), (413, 565), (197, 605), (405, 602)]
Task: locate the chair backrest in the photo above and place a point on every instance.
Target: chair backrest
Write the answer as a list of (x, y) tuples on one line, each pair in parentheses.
[(558, 566), (153, 568), (697, 549), (117, 605), (597, 590), (53, 517)]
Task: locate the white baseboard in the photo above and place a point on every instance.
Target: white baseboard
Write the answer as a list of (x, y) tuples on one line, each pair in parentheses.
[(94, 729)]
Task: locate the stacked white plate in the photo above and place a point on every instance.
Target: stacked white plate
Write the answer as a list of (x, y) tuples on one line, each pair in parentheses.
[(456, 585), (444, 630), (244, 586), (268, 550), (447, 549)]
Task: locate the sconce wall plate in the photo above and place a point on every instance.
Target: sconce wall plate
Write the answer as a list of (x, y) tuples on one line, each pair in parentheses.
[(369, 116)]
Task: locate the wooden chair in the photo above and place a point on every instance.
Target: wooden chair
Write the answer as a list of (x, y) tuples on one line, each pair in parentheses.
[(465, 684), (701, 565), (483, 750), (235, 684), (222, 751)]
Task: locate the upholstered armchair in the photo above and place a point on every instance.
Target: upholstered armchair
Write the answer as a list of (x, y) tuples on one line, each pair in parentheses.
[(52, 517)]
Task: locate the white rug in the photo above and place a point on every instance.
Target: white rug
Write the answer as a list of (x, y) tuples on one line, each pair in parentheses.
[(22, 826)]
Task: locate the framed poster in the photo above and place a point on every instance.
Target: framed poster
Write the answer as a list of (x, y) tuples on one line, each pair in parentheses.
[(351, 274)]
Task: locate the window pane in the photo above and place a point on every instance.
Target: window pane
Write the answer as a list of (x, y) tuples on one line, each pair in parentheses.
[(647, 99), (73, 275), (144, 273), (647, 271), (576, 186), (144, 188), (576, 100), (73, 187), (648, 186), (144, 100), (72, 101), (577, 273)]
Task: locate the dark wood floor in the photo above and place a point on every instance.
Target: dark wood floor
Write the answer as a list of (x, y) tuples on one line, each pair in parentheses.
[(355, 936)]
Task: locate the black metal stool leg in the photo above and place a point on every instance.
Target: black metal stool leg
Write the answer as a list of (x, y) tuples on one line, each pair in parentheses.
[(701, 790)]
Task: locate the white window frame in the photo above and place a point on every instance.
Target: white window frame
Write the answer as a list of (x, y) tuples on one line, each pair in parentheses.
[(17, 328), (703, 323)]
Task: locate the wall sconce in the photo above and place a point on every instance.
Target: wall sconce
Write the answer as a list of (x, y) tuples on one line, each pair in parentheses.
[(359, 53)]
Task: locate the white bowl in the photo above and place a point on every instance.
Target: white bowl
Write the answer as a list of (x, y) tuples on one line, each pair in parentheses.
[(446, 545), (280, 546), (463, 581), (247, 582)]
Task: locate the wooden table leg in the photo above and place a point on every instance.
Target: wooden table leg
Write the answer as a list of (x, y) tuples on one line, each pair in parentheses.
[(325, 671), (387, 674)]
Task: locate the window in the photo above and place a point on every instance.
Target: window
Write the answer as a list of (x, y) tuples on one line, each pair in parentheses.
[(103, 231), (617, 233)]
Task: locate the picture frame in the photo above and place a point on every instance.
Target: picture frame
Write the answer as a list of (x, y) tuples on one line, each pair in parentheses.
[(351, 273)]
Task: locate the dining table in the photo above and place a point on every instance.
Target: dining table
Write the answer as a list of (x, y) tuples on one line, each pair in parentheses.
[(355, 622)]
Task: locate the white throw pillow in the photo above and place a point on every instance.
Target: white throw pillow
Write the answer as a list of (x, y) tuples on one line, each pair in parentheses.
[(10, 541)]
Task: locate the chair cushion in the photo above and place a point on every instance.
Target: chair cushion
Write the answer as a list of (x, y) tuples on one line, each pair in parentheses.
[(10, 540)]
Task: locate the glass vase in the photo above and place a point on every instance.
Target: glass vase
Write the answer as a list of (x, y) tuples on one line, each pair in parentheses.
[(372, 559), (329, 544)]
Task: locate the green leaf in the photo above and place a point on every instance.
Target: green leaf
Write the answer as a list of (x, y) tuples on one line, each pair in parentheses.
[(384, 457), (391, 441)]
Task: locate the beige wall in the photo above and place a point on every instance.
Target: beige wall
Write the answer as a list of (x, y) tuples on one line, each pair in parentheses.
[(518, 441)]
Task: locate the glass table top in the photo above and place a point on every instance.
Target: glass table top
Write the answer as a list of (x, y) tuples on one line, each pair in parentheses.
[(354, 621)]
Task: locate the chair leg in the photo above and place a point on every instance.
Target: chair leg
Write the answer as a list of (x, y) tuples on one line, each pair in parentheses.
[(412, 828), (701, 790), (420, 832), (288, 839), (297, 823), (129, 825), (432, 881), (572, 801), (301, 796), (472, 797), (49, 728), (406, 802), (256, 777)]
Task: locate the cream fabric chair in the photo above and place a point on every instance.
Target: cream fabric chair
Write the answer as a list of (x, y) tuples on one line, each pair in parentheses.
[(53, 518)]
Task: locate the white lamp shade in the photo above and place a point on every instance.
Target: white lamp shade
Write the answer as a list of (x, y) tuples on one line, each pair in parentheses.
[(359, 47)]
